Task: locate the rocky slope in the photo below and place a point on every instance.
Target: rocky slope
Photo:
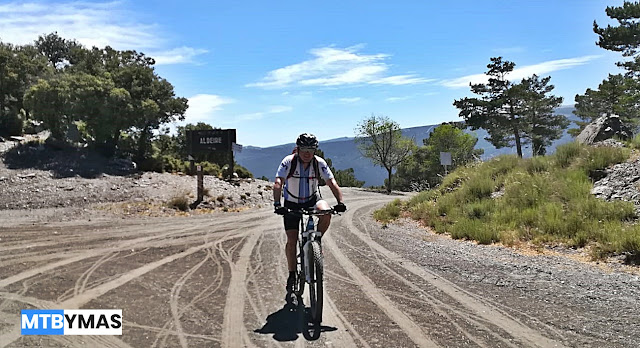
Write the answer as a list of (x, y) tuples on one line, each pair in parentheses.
[(33, 177)]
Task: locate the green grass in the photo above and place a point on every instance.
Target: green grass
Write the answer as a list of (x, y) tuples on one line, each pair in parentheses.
[(634, 143), (391, 211), (545, 199)]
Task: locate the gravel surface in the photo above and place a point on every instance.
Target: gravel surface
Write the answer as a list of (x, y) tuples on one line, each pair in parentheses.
[(548, 289)]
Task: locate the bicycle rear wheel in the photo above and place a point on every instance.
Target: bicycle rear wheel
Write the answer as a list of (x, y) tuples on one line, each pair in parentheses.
[(316, 268)]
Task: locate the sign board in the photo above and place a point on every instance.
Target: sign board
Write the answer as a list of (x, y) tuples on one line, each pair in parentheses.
[(219, 140), (445, 158), (236, 147)]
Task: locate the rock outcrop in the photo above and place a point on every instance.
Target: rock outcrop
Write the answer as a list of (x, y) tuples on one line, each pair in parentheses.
[(605, 127)]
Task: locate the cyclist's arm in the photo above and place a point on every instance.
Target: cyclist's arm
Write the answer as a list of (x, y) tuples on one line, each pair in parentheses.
[(281, 173), (335, 189), (277, 189)]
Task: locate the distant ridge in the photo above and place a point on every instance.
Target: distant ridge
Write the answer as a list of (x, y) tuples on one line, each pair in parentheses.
[(344, 153)]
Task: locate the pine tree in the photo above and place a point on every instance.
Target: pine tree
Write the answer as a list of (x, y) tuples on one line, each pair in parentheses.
[(618, 94), (542, 125), (496, 110)]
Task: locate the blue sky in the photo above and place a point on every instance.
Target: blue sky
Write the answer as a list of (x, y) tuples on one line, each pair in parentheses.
[(274, 69)]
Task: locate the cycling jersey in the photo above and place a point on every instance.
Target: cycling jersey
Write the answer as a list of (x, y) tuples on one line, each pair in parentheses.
[(302, 185)]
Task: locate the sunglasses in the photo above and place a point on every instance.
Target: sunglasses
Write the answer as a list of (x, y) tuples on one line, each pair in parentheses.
[(307, 149)]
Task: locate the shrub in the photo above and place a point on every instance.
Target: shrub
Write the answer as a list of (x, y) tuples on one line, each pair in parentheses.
[(10, 123), (545, 200), (423, 196), (602, 157), (390, 212), (537, 164), (478, 187), (425, 211), (174, 165), (209, 168), (474, 229), (635, 142), (180, 202), (550, 218), (523, 190), (153, 164), (501, 165), (454, 180), (478, 210), (629, 241), (565, 153), (242, 171)]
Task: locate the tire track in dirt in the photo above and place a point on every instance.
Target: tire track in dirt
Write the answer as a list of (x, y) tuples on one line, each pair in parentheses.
[(176, 310), (97, 291), (166, 330), (80, 300), (234, 332), (472, 302), (174, 302), (434, 303), (410, 328), (171, 332), (14, 334), (151, 235), (258, 306)]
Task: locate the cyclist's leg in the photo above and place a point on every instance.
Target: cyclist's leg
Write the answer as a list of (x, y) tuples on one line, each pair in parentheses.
[(323, 220), (290, 249), (291, 223)]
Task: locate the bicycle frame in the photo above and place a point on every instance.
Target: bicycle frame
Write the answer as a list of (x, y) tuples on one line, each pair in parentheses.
[(305, 238)]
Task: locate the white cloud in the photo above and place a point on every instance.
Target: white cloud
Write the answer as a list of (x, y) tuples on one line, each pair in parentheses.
[(177, 55), (397, 99), (401, 80), (523, 72), (276, 109), (203, 107), (349, 100), (91, 24), (335, 67)]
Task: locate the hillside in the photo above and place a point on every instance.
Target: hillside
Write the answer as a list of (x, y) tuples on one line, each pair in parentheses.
[(546, 200), (344, 153)]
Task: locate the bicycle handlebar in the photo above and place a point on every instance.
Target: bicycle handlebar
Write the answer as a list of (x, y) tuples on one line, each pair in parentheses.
[(312, 211)]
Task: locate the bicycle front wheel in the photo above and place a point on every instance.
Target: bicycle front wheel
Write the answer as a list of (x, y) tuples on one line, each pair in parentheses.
[(316, 268)]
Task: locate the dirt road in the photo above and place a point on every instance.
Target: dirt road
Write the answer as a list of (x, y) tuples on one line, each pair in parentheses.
[(218, 281)]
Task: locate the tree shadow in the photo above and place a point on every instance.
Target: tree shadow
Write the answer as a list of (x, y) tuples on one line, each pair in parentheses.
[(65, 162), (287, 323)]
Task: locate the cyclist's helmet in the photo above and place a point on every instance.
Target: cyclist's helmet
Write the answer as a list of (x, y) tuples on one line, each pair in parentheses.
[(307, 140)]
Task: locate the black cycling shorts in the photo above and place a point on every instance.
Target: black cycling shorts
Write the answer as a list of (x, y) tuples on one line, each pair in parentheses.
[(292, 221)]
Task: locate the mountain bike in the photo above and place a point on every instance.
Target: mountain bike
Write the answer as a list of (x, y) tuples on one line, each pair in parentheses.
[(310, 262)]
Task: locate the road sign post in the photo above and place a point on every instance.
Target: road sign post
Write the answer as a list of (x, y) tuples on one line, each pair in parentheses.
[(222, 141), (200, 184)]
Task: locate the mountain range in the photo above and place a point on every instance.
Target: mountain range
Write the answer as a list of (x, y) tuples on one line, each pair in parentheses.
[(344, 153)]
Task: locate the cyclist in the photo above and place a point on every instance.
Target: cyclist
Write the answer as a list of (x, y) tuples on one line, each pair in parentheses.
[(299, 174)]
